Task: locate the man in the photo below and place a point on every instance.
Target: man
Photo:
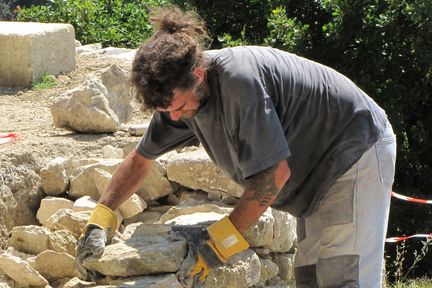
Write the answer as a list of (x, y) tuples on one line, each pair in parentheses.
[(299, 136)]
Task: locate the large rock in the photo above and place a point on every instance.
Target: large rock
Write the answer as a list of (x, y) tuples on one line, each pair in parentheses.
[(54, 178), (66, 219), (149, 251), (55, 265), (62, 241), (259, 234), (20, 271), (31, 49), (156, 281), (100, 105), (285, 263), (269, 269), (243, 270), (30, 239), (284, 232), (49, 205), (196, 170)]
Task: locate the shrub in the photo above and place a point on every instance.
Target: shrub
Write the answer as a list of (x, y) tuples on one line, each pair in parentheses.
[(113, 23)]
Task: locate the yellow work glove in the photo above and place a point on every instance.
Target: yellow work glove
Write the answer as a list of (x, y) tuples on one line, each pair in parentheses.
[(208, 248), (98, 230)]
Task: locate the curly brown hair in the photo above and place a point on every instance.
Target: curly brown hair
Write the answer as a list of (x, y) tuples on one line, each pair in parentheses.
[(167, 59)]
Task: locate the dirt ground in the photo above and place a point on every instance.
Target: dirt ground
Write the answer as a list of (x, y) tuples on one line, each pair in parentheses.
[(27, 113)]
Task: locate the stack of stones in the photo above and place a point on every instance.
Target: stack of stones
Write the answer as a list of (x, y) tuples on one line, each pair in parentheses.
[(182, 188)]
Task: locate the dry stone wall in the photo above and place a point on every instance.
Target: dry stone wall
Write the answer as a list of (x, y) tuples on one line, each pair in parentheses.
[(144, 252)]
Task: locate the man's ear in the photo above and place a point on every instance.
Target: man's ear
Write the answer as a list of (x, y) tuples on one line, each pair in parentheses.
[(200, 73)]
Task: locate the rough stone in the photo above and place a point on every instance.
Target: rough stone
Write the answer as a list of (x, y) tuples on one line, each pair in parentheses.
[(30, 239), (196, 170), (100, 105), (243, 270), (285, 263), (6, 282), (269, 269), (72, 283), (49, 205), (55, 265), (111, 152), (156, 281), (284, 232), (156, 184), (20, 271), (62, 241), (66, 219), (54, 179), (147, 252), (31, 49)]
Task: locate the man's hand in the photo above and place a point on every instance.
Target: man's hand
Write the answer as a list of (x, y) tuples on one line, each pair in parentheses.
[(99, 229), (208, 249)]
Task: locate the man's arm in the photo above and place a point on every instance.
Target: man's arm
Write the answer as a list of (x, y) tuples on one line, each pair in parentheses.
[(261, 190), (126, 180)]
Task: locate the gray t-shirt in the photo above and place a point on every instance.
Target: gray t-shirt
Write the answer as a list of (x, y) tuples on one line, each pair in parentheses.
[(266, 105)]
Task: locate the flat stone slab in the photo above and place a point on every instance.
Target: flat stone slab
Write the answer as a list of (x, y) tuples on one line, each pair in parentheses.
[(31, 49)]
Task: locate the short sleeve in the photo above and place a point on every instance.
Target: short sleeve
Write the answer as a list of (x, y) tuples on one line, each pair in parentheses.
[(261, 141), (164, 135)]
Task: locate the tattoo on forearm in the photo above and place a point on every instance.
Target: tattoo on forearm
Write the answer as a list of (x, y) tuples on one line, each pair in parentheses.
[(262, 187)]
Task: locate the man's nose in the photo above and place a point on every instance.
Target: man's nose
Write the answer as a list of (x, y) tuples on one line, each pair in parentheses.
[(175, 115)]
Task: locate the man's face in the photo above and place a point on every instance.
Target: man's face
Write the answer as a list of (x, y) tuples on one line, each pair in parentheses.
[(186, 102)]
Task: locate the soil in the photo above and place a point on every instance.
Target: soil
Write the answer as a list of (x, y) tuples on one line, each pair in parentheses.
[(27, 112)]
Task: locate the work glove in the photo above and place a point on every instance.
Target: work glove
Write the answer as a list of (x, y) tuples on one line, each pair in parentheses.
[(95, 235), (208, 249)]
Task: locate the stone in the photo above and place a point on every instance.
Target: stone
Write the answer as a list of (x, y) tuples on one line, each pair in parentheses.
[(269, 269), (31, 49), (88, 49), (62, 241), (285, 262), (259, 234), (55, 265), (242, 270), (156, 184), (54, 179), (72, 283), (109, 151), (147, 252), (49, 205), (284, 232), (99, 105), (156, 281), (66, 219), (196, 171), (30, 239), (20, 271), (6, 282), (85, 203)]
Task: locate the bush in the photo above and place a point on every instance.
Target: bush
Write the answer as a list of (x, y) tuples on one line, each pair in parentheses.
[(110, 22)]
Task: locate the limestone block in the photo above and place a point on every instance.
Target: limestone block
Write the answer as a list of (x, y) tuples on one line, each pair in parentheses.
[(108, 151), (88, 49), (85, 182), (100, 105), (131, 207), (66, 219), (49, 205), (54, 179), (259, 234), (146, 217), (285, 263), (30, 239), (143, 254), (195, 170), (55, 265), (284, 232), (83, 204), (156, 183), (6, 282), (31, 49), (73, 283), (243, 270), (62, 241), (20, 271), (269, 269), (156, 281)]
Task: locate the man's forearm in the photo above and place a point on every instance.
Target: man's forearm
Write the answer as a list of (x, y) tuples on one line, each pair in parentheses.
[(261, 190), (126, 180)]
